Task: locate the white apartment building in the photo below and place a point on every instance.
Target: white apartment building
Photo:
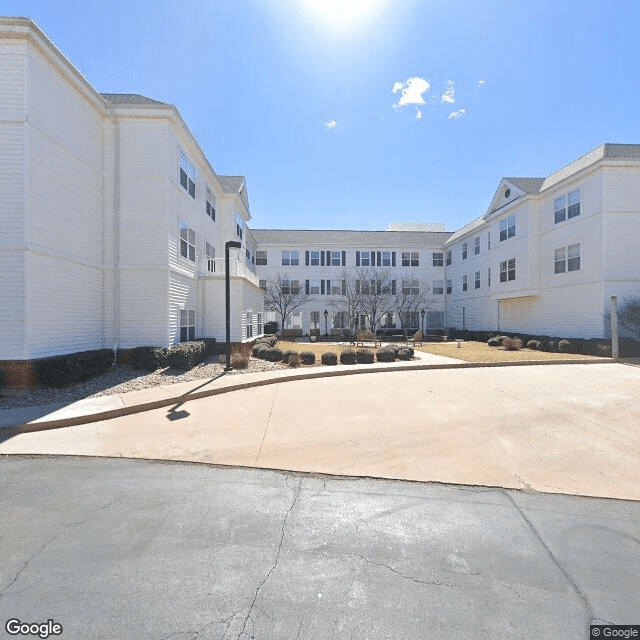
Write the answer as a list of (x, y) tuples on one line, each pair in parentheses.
[(314, 261), (549, 253), (113, 220), (113, 226)]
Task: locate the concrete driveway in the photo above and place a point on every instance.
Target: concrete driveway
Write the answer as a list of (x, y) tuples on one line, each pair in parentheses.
[(562, 429), (130, 549)]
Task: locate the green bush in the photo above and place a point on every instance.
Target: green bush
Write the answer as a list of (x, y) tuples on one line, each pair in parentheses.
[(329, 358), (148, 358), (186, 355), (349, 356), (210, 346), (273, 354), (271, 327), (286, 355), (406, 353), (385, 355), (365, 356), (308, 357), (61, 371)]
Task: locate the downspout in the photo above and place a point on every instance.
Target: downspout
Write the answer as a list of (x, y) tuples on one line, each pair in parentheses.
[(116, 235)]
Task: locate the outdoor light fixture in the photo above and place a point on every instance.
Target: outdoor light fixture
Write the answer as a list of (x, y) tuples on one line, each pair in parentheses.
[(326, 316), (230, 244), (422, 312)]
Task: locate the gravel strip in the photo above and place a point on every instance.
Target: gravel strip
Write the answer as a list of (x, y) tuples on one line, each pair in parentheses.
[(122, 379)]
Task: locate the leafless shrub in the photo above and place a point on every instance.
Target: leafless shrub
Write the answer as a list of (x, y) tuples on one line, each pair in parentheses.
[(512, 344), (295, 360)]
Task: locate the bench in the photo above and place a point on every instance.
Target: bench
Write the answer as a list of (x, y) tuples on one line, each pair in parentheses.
[(367, 336)]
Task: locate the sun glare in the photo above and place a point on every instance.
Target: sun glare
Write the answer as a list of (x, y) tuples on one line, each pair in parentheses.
[(345, 13)]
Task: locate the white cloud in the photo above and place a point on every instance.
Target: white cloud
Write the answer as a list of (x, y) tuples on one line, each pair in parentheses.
[(454, 115), (418, 114), (332, 124), (481, 82), (449, 96), (412, 91)]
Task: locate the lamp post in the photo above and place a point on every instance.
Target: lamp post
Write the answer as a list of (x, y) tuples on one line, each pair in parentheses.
[(498, 316), (326, 330), (231, 244), (422, 313)]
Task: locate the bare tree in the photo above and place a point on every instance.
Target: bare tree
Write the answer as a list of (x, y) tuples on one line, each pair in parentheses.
[(629, 314), (348, 300), (284, 296), (411, 296), (375, 289)]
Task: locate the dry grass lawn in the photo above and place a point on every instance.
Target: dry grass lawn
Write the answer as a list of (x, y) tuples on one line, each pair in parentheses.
[(481, 352)]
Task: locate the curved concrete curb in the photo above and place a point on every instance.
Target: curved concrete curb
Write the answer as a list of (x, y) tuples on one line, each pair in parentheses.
[(188, 397)]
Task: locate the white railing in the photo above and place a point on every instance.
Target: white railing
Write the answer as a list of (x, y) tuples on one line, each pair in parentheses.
[(238, 268)]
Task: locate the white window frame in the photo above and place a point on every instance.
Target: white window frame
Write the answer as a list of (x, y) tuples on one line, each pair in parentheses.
[(261, 257), (187, 242), (263, 284), (508, 270), (249, 324), (567, 206), (186, 174), (386, 258), (187, 325), (239, 226), (336, 259), (564, 261), (210, 255), (259, 323), (410, 287), (290, 258), (476, 246), (465, 283), (438, 259), (314, 287), (410, 258), (449, 286), (477, 280), (314, 320), (508, 227), (465, 250), (365, 258), (438, 287), (314, 258), (449, 258), (210, 206)]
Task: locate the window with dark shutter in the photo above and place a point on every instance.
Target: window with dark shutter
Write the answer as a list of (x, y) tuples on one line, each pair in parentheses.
[(306, 258), (306, 287), (322, 287), (393, 259), (344, 258), (357, 258)]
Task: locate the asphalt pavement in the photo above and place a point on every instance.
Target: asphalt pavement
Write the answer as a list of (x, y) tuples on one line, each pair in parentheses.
[(130, 549)]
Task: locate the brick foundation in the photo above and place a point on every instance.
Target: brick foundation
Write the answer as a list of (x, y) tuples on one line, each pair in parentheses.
[(18, 374)]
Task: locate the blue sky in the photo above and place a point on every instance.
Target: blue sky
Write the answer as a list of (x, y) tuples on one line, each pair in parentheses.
[(262, 82)]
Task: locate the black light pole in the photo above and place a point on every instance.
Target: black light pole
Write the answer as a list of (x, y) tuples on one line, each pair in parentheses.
[(231, 244), (422, 312), (326, 330)]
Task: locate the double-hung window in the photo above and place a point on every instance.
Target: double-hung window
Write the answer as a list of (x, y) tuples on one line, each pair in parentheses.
[(410, 258), (249, 324), (508, 270), (449, 289), (365, 258), (187, 325), (465, 250), (210, 206), (386, 258), (261, 258), (476, 245), (239, 227), (210, 252), (263, 285), (336, 259), (410, 287), (259, 323), (438, 287), (438, 259), (465, 283), (567, 258), (314, 287), (314, 320), (566, 206), (477, 280), (187, 242), (449, 258), (314, 258), (187, 175), (289, 258), (508, 227)]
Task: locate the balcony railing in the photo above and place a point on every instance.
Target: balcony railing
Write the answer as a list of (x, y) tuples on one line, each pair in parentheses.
[(237, 269)]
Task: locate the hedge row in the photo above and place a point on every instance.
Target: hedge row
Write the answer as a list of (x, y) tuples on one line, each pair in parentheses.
[(61, 371)]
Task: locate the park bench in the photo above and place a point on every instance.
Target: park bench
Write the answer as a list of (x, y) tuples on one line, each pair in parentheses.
[(367, 336)]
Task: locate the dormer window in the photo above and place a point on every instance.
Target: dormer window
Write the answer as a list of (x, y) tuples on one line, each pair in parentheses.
[(187, 175)]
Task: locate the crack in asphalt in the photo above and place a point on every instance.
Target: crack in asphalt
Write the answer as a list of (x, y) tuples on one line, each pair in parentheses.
[(275, 563), (47, 542), (574, 586)]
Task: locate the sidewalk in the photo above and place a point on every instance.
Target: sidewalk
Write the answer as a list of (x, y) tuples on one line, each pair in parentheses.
[(155, 397)]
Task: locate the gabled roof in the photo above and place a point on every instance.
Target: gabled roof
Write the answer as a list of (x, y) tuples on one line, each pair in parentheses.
[(528, 185), (130, 98), (237, 185), (350, 237), (468, 228)]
